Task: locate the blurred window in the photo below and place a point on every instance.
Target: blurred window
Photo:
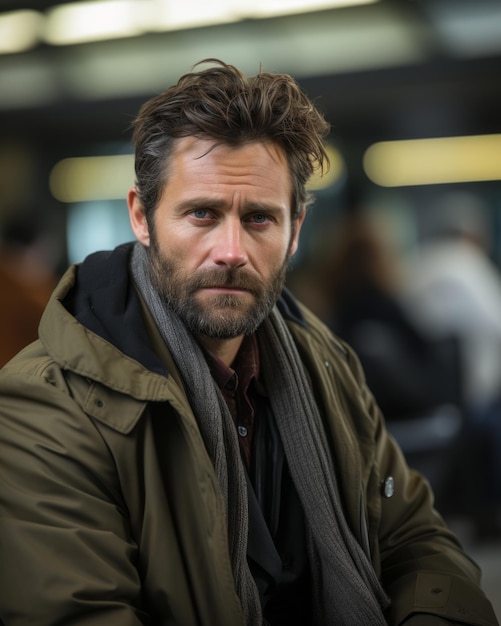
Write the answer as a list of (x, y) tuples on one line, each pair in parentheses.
[(99, 225)]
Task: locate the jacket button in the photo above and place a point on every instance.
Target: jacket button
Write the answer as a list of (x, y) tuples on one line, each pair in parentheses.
[(99, 403), (388, 487)]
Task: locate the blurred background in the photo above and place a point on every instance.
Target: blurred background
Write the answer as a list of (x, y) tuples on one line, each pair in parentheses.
[(401, 252)]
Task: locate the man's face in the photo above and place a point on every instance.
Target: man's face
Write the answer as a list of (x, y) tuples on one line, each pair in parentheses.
[(222, 235)]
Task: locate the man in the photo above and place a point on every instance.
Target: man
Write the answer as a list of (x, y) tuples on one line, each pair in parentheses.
[(186, 444)]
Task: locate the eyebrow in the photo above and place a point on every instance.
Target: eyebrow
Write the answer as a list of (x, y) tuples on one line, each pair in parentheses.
[(213, 203)]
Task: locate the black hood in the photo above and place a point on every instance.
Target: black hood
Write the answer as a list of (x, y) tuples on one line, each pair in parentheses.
[(105, 301)]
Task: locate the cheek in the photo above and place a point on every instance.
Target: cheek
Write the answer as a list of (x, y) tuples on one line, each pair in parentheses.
[(184, 247), (268, 258)]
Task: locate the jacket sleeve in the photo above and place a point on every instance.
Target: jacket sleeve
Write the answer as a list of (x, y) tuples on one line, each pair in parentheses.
[(424, 569), (66, 552)]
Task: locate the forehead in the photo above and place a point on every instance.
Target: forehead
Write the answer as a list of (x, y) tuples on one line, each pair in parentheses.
[(258, 165)]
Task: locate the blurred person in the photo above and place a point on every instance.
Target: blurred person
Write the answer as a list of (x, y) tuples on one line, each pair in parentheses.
[(363, 276), (26, 282), (415, 378), (188, 444), (454, 287)]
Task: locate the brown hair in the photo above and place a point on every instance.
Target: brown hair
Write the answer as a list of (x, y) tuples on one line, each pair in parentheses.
[(222, 103)]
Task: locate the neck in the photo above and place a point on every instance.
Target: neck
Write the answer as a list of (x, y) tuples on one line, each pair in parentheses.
[(224, 349)]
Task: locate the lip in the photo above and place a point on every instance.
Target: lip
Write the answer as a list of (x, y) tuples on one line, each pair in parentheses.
[(225, 290)]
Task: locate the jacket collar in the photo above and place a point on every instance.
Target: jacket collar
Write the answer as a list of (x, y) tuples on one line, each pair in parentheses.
[(80, 339)]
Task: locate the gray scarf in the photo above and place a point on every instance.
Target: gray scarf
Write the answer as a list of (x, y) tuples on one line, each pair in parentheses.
[(345, 587)]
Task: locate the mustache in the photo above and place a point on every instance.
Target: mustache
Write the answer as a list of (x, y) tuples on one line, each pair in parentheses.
[(225, 277)]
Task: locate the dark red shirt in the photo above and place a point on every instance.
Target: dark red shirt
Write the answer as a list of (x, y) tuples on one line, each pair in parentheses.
[(239, 386)]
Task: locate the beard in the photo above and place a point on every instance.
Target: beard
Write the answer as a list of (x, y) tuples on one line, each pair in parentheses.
[(224, 316)]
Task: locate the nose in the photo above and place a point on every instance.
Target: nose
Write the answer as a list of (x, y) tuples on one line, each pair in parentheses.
[(228, 248)]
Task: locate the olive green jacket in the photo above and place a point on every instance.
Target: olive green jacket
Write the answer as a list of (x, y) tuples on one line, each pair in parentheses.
[(110, 510)]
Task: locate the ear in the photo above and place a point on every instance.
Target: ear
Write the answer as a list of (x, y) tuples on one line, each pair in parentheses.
[(137, 217), (297, 229)]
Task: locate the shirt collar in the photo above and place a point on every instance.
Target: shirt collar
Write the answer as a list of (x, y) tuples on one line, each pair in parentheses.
[(245, 366)]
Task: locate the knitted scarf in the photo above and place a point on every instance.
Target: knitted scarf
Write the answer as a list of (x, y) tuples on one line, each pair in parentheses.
[(346, 590)]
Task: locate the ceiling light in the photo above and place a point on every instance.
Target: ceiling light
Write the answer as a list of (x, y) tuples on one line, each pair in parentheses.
[(164, 15), (93, 21), (83, 179), (434, 161), (267, 8), (19, 31), (97, 20)]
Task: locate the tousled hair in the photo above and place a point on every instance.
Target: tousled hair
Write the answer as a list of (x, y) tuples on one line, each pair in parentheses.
[(223, 104)]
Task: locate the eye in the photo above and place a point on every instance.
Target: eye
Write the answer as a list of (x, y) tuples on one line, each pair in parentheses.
[(259, 218), (200, 214)]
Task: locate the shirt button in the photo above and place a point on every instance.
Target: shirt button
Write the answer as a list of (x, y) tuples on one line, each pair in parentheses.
[(242, 431)]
